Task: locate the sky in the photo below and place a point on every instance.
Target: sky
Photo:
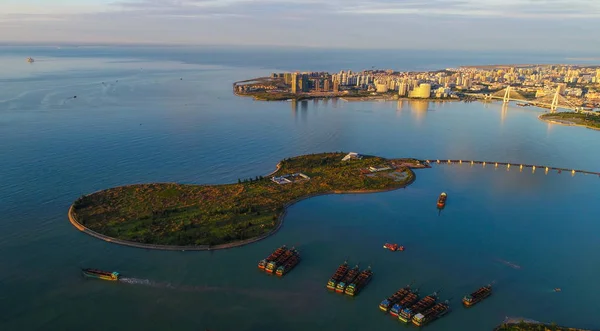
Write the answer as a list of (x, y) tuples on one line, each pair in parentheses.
[(538, 25)]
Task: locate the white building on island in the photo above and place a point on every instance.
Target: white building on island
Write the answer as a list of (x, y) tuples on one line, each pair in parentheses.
[(352, 156)]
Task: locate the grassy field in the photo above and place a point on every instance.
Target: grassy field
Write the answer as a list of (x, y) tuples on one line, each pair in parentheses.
[(177, 214), (592, 121)]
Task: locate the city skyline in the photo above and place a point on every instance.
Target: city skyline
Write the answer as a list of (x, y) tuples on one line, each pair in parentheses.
[(542, 25)]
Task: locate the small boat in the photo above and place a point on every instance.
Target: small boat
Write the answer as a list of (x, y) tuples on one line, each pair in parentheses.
[(289, 264), (386, 304), (272, 266), (442, 200), (431, 314), (409, 300), (30, 60), (360, 282), (557, 289), (337, 276), (408, 313), (475, 297), (349, 278), (276, 254), (393, 247), (105, 275)]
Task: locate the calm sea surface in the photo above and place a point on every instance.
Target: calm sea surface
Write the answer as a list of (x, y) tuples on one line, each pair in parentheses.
[(156, 115)]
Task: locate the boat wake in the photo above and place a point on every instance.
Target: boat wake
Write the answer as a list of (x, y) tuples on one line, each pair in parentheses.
[(510, 264), (146, 282)]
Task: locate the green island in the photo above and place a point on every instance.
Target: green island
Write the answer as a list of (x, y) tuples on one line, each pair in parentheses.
[(586, 119), (231, 214), (513, 324)]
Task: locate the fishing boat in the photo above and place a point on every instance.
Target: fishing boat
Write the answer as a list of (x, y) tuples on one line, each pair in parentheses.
[(289, 264), (386, 304), (408, 313), (441, 203), (30, 60), (408, 301), (431, 314), (393, 247), (475, 297), (105, 275), (276, 254), (360, 282), (349, 278), (272, 266), (337, 276)]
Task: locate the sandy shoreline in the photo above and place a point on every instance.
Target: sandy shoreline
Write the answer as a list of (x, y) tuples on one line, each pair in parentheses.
[(565, 123)]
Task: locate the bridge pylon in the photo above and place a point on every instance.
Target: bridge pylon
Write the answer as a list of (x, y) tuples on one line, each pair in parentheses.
[(554, 104), (506, 98)]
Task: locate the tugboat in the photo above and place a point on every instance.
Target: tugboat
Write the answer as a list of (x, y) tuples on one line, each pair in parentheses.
[(386, 304), (105, 275), (289, 264), (361, 281), (276, 254), (431, 314), (441, 203), (337, 276), (272, 266), (475, 297), (409, 300), (408, 313), (393, 247), (349, 278)]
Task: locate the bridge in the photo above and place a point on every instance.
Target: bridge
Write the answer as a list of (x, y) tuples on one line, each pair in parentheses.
[(552, 101), (508, 165)]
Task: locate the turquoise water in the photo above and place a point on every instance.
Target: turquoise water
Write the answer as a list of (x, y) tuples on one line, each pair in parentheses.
[(143, 119)]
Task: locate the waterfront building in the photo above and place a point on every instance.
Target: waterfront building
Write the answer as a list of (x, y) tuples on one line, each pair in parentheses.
[(423, 91), (381, 87), (402, 89), (294, 82), (336, 86), (326, 85), (317, 85), (287, 78), (304, 83)]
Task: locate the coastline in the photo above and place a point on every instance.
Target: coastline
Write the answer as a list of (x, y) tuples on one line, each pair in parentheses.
[(565, 123)]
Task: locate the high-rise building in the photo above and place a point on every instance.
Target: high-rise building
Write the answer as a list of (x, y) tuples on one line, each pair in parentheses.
[(402, 89), (317, 85), (304, 83), (336, 86), (423, 91), (294, 82), (326, 85), (562, 87), (287, 78)]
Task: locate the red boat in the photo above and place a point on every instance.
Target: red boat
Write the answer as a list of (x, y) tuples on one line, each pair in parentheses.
[(393, 247), (441, 203)]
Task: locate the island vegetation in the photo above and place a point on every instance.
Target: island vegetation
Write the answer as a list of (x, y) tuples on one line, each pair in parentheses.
[(189, 215), (522, 325), (587, 119)]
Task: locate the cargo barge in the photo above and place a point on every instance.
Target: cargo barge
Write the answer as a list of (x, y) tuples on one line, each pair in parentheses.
[(477, 296), (408, 301), (408, 313), (441, 203), (272, 266), (360, 282), (289, 264), (276, 254), (349, 278), (337, 276), (431, 314), (386, 304), (105, 275)]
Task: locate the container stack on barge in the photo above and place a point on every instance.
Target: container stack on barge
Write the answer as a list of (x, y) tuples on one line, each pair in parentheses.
[(408, 301), (408, 313), (431, 314), (386, 304), (276, 254), (337, 276), (360, 282), (349, 278), (289, 264), (272, 266), (475, 297)]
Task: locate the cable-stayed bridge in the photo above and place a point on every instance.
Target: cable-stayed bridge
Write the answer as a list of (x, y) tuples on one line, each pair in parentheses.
[(552, 101)]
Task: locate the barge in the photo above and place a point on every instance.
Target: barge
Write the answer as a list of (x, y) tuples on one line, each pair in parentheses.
[(289, 264), (361, 281), (409, 300), (431, 314), (276, 254), (477, 296), (441, 203), (272, 266), (349, 278), (408, 313), (337, 276), (386, 304), (104, 275)]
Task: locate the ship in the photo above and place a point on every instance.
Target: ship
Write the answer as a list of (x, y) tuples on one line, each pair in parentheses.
[(337, 276), (386, 304), (289, 264), (393, 247), (475, 297), (272, 266), (431, 314), (408, 300), (360, 282), (441, 203), (349, 278), (408, 313), (105, 275), (276, 254), (30, 60)]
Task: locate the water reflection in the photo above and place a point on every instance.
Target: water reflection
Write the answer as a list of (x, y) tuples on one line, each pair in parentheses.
[(503, 113)]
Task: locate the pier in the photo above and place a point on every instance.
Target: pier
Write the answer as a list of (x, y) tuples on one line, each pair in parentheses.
[(507, 165)]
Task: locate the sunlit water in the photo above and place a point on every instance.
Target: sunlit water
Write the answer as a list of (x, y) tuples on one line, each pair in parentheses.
[(143, 119)]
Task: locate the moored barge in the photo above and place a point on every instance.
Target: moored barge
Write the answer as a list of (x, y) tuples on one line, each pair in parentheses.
[(477, 296), (440, 309), (105, 275), (349, 278), (427, 302), (289, 264), (386, 304), (442, 200), (408, 301), (337, 276), (360, 282), (276, 254), (272, 266)]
